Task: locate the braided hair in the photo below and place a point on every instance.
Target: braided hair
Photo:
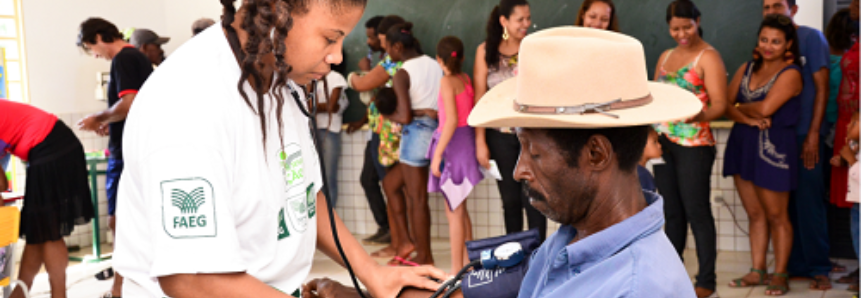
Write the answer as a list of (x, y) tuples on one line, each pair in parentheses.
[(267, 23)]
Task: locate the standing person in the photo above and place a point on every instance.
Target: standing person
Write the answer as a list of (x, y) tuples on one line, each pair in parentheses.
[(807, 206), (452, 152), (57, 196), (373, 171), (129, 70), (844, 36), (496, 61), (226, 200), (689, 146), (331, 103), (847, 99), (598, 14), (417, 87), (765, 105), (149, 43), (841, 35), (374, 47), (200, 25)]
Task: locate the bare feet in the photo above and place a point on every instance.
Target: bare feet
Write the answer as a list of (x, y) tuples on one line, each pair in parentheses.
[(703, 292)]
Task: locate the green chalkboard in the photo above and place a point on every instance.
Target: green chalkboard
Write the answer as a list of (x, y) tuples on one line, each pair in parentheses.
[(729, 25)]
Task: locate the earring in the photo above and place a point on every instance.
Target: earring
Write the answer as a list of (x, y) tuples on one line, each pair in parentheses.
[(756, 55), (505, 33), (789, 57)]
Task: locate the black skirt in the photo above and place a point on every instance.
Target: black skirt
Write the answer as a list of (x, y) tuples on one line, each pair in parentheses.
[(57, 194)]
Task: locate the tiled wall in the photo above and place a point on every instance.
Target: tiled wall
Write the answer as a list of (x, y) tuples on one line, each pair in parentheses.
[(485, 207), (484, 204)]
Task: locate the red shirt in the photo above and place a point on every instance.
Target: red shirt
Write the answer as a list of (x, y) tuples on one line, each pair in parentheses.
[(22, 127)]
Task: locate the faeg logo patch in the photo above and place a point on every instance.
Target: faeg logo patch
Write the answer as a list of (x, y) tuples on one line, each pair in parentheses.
[(292, 165), (188, 208)]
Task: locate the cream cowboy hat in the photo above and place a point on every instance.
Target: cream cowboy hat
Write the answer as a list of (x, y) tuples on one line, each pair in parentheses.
[(582, 78)]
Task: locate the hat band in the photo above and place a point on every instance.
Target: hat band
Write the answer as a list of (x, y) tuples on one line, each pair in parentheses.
[(601, 108)]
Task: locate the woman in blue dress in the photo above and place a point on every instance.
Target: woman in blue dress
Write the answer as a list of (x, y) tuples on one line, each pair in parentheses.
[(761, 151)]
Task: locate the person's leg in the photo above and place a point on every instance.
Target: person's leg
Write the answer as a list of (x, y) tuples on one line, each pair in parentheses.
[(775, 206), (807, 214), (667, 181), (854, 229), (510, 190), (695, 165), (56, 260), (456, 237), (397, 212), (112, 181), (370, 182), (419, 218), (31, 262), (331, 158), (467, 232), (758, 229)]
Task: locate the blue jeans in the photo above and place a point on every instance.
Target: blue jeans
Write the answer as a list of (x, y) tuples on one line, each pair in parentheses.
[(808, 207), (416, 141), (112, 182), (331, 155)]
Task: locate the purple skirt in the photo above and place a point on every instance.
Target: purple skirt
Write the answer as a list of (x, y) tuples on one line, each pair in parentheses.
[(460, 170), (768, 158)]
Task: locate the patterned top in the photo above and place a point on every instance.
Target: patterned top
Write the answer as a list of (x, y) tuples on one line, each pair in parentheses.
[(506, 69), (390, 132), (687, 134)]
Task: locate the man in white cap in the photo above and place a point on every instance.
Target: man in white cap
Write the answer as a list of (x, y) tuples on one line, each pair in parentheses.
[(149, 43), (582, 105)]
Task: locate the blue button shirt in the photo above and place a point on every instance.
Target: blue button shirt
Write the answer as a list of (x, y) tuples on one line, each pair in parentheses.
[(632, 258), (815, 57)]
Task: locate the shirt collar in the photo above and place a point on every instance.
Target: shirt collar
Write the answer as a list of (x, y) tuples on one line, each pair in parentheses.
[(599, 246)]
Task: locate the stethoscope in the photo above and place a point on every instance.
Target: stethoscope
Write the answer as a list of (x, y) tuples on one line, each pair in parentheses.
[(311, 114)]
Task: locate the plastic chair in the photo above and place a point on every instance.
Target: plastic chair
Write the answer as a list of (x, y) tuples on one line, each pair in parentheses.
[(10, 219)]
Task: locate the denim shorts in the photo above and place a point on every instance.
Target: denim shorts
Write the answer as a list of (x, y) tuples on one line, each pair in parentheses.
[(416, 140)]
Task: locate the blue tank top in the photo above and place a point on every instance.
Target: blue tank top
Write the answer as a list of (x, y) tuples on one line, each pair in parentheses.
[(787, 115)]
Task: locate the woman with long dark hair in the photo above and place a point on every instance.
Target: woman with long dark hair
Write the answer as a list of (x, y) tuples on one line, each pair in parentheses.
[(226, 199), (598, 14), (761, 150), (684, 180), (496, 61)]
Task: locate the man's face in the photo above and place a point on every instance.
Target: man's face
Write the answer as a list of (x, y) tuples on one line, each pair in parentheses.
[(153, 52), (778, 7), (99, 50), (316, 39), (560, 192), (373, 41)]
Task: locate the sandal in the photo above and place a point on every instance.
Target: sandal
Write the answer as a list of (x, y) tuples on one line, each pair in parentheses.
[(837, 268), (402, 261), (820, 282), (740, 283), (109, 295), (779, 289), (851, 278)]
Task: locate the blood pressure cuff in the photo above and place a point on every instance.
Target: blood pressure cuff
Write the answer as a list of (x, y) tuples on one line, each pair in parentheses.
[(499, 282)]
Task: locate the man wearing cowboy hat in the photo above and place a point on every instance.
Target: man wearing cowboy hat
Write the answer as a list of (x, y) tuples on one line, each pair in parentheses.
[(582, 104)]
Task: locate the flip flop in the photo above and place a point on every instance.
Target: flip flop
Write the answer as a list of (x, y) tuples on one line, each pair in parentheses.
[(406, 262), (820, 282)]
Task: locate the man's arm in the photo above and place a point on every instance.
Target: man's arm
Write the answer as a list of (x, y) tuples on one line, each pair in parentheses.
[(116, 113), (810, 155)]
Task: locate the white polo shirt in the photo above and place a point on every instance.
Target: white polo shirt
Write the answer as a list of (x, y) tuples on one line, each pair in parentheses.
[(334, 80), (201, 192)]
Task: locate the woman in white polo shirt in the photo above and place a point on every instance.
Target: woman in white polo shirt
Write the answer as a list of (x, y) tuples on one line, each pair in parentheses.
[(222, 182)]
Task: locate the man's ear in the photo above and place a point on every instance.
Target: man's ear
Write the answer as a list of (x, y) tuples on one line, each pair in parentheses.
[(598, 152)]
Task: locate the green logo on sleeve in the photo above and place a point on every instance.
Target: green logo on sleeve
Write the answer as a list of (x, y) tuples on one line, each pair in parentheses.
[(188, 202), (187, 207), (282, 226)]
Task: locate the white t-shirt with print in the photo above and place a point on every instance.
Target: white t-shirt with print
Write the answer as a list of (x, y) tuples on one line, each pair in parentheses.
[(334, 80), (201, 192)]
